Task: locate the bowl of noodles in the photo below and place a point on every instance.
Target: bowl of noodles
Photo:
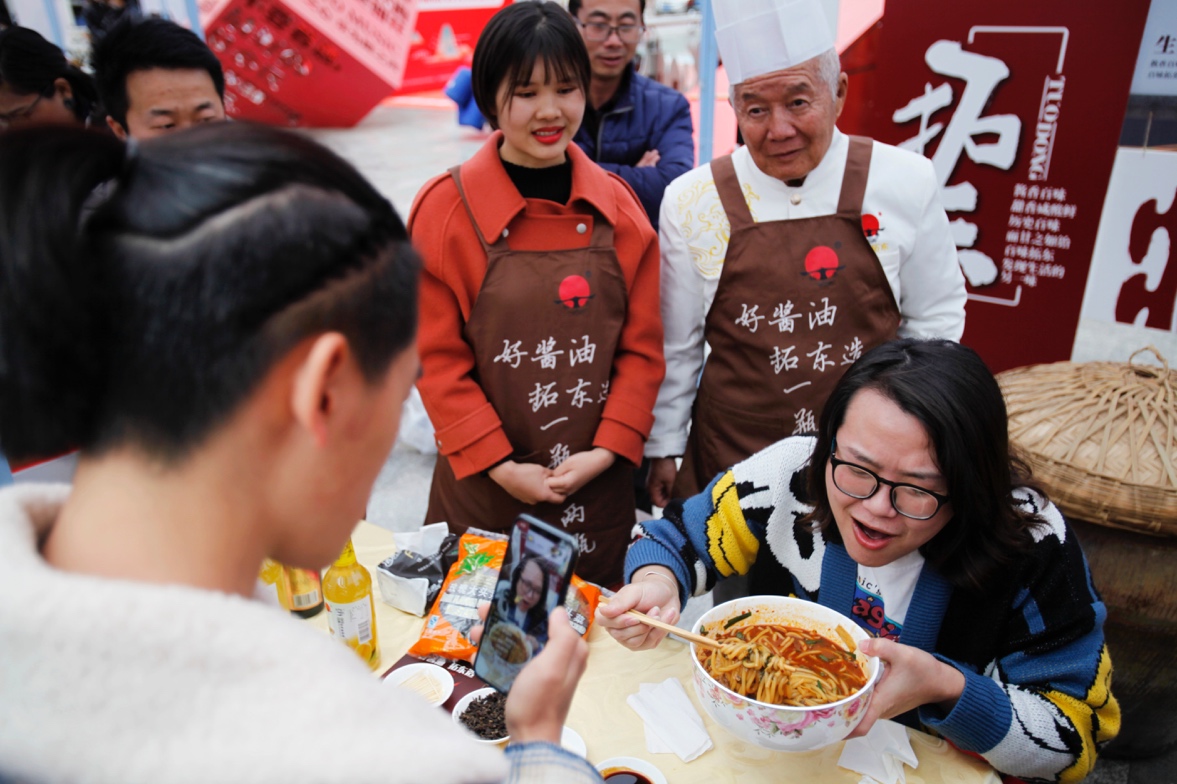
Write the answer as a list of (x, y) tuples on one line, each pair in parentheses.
[(787, 677)]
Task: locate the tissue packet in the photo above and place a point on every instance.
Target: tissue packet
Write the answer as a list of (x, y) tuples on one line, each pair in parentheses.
[(411, 578)]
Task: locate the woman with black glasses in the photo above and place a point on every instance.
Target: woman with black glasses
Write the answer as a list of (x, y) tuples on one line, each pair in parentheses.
[(908, 513), (38, 86)]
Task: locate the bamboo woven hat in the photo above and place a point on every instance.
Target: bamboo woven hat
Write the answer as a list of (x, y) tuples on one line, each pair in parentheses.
[(1101, 437)]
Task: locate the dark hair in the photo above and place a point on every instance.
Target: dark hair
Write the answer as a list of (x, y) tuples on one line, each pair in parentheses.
[(31, 65), (537, 614), (574, 7), (948, 388), (143, 43), (513, 41), (220, 249)]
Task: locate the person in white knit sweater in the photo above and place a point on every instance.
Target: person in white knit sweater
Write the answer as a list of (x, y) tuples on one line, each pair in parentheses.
[(227, 339)]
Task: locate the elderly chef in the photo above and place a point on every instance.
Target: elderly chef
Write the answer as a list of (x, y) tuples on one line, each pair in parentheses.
[(790, 257)]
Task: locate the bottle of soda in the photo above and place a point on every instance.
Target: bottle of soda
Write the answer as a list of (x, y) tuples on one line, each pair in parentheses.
[(351, 612), (306, 595)]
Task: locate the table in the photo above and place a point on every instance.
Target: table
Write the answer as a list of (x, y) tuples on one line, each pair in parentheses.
[(610, 727)]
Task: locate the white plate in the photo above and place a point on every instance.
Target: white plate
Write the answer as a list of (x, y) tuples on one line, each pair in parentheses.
[(440, 676), (464, 703), (572, 741), (634, 764)]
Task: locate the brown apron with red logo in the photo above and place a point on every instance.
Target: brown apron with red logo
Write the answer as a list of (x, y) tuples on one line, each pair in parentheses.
[(798, 302), (543, 330)]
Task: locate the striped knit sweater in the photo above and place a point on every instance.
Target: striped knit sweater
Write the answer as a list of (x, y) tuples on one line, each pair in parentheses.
[(1037, 700)]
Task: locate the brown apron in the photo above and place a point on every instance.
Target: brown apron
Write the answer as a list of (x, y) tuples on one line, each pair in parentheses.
[(798, 302), (543, 330)]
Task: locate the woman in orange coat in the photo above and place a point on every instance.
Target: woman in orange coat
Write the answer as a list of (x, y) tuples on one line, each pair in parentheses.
[(540, 331)]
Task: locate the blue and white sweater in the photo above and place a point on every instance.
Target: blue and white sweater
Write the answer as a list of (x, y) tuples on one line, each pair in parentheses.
[(1037, 700)]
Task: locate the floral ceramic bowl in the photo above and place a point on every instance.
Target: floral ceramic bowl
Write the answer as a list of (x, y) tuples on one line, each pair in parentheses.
[(783, 728)]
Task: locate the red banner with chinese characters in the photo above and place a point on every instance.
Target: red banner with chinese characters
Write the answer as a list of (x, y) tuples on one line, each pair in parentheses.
[(1019, 105)]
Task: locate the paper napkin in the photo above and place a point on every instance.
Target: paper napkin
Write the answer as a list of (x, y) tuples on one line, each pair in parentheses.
[(880, 755), (672, 723)]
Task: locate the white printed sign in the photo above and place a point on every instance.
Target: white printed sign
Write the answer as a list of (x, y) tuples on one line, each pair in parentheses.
[(1133, 277), (1156, 64)]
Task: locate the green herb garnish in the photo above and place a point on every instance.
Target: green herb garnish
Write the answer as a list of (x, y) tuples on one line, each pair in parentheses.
[(733, 621)]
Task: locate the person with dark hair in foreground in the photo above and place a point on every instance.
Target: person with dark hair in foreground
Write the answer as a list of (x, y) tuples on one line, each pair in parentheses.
[(38, 85), (909, 514), (228, 339), (541, 342), (155, 77)]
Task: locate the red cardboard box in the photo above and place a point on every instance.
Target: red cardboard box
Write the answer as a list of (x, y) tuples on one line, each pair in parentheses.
[(308, 62)]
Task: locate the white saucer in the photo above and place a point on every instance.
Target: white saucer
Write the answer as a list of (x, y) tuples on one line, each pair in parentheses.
[(634, 764), (464, 703), (439, 675), (572, 741)]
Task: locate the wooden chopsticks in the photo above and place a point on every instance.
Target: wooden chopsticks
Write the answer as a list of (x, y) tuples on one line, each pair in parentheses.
[(698, 639)]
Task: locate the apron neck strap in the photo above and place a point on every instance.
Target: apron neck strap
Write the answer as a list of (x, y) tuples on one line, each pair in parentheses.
[(455, 172), (727, 185), (602, 237), (854, 179), (602, 229)]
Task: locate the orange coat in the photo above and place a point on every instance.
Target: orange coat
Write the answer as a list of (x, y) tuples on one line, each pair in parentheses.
[(468, 430)]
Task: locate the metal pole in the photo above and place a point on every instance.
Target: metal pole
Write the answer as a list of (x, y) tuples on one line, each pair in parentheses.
[(708, 62), (194, 18)]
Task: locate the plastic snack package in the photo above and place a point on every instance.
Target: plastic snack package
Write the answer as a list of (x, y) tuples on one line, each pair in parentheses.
[(581, 603), (470, 580), (411, 578)]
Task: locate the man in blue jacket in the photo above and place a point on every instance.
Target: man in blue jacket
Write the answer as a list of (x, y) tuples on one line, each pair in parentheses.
[(633, 126)]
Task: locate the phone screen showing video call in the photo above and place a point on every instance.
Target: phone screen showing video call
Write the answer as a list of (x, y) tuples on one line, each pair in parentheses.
[(532, 582)]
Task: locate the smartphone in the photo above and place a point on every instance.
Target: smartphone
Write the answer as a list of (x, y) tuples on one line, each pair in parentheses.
[(533, 581)]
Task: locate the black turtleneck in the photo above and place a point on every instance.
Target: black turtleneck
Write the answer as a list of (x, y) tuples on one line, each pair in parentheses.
[(553, 183)]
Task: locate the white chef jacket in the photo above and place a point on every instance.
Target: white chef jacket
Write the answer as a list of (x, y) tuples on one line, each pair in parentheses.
[(914, 246)]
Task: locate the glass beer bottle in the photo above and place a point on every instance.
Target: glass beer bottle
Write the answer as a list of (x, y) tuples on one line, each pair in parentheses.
[(306, 597), (351, 613)]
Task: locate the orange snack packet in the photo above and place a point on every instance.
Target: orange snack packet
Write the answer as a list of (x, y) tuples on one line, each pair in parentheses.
[(472, 580), (581, 603), (455, 611)]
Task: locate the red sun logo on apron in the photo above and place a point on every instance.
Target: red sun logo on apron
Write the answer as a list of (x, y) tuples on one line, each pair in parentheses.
[(821, 264), (574, 292), (870, 227)]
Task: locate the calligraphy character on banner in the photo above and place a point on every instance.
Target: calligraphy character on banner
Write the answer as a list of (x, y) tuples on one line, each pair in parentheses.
[(982, 75)]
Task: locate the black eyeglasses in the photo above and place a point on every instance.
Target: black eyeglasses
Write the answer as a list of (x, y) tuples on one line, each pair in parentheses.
[(19, 115), (532, 588), (911, 501), (629, 32)]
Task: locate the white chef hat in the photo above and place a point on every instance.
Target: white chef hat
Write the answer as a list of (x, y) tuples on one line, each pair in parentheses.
[(757, 37)]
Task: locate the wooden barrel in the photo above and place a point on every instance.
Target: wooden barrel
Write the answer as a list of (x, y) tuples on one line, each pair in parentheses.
[(1101, 438), (1136, 575)]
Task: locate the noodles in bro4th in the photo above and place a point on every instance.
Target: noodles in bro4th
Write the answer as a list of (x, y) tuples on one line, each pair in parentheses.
[(782, 665)]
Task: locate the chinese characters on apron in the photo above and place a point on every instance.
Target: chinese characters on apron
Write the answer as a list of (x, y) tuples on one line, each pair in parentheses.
[(543, 330), (798, 302)]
